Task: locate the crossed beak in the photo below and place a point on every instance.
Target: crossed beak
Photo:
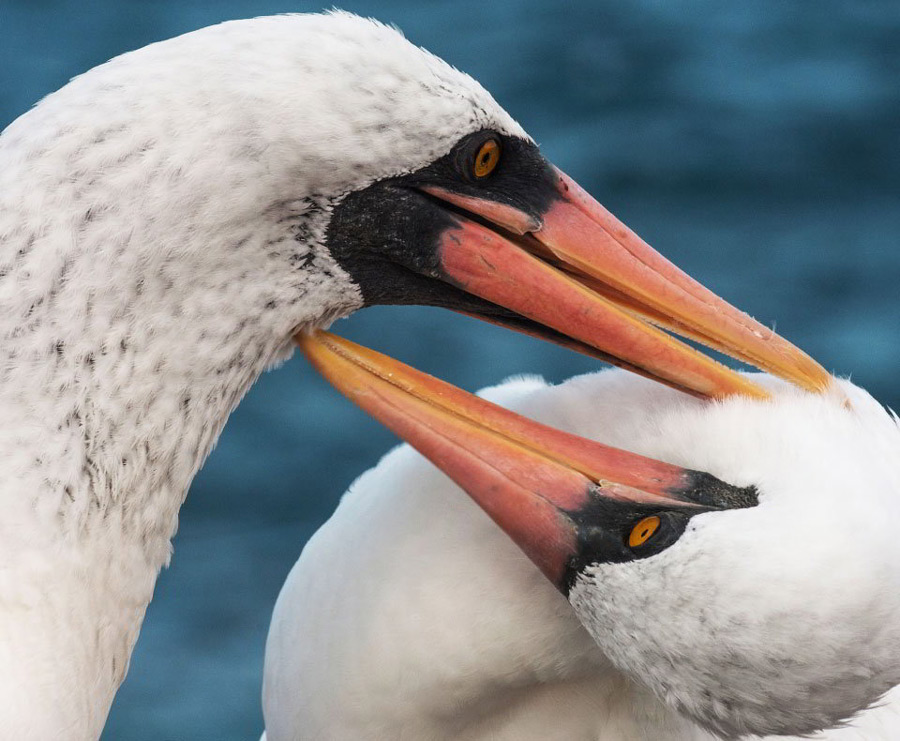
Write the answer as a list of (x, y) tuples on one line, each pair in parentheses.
[(575, 275)]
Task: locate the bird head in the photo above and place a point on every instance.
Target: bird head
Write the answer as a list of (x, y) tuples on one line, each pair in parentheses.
[(286, 171), (463, 211), (738, 558), (782, 617)]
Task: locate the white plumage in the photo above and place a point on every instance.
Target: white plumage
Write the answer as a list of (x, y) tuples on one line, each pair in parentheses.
[(411, 615), (161, 222)]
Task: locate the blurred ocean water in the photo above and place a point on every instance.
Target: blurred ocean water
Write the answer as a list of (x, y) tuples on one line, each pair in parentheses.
[(754, 144)]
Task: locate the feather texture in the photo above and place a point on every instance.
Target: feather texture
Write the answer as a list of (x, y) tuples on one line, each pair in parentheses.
[(411, 615)]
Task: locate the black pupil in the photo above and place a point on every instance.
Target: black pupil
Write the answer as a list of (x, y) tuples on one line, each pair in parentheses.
[(485, 157)]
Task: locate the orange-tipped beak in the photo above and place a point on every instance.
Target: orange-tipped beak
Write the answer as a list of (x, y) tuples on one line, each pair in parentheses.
[(578, 276), (564, 500)]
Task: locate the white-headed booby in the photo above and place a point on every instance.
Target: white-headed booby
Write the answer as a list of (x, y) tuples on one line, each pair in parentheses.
[(697, 609)]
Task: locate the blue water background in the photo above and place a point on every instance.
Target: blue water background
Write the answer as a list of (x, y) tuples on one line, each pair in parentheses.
[(756, 144)]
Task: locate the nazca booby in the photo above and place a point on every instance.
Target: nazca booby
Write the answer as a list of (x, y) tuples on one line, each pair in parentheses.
[(411, 615), (170, 219)]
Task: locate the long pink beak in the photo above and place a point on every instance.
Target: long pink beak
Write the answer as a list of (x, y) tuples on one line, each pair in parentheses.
[(536, 482), (598, 287)]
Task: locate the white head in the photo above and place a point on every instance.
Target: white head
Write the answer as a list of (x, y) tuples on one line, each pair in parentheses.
[(223, 152), (739, 558), (782, 618)]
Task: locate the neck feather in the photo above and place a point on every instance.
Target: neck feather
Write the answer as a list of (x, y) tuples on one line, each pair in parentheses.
[(134, 315)]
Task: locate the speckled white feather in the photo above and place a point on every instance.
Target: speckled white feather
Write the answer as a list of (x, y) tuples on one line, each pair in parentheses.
[(161, 222), (410, 615)]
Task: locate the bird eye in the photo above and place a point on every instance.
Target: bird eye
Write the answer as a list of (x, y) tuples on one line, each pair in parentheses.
[(643, 530), (487, 158)]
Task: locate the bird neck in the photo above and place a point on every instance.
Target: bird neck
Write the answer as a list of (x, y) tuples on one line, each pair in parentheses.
[(134, 315), (113, 388), (126, 343)]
